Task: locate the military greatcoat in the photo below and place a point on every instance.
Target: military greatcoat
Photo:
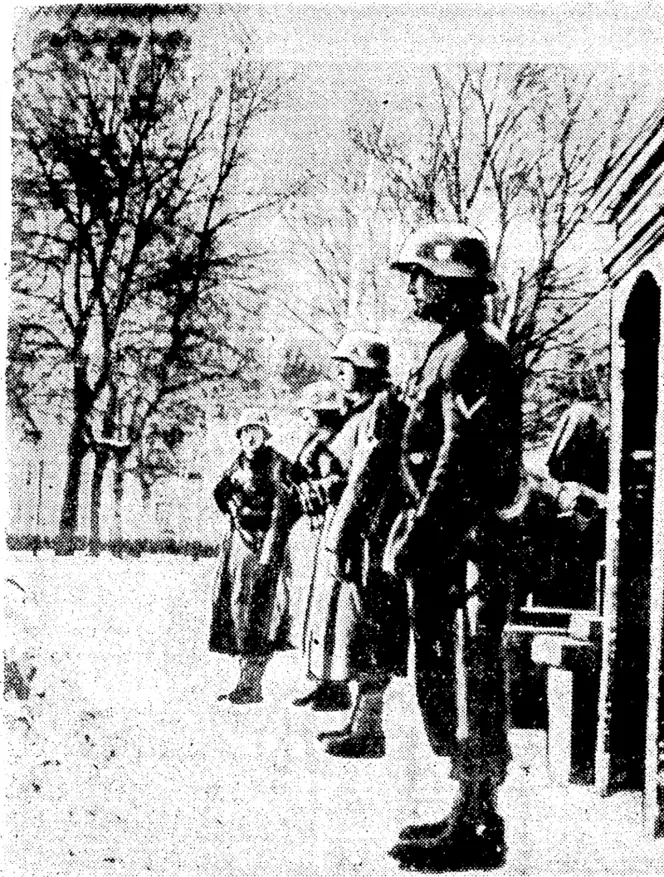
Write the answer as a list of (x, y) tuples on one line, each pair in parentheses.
[(460, 465), (250, 612), (358, 620)]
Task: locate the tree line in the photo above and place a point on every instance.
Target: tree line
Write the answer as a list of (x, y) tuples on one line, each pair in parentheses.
[(132, 289)]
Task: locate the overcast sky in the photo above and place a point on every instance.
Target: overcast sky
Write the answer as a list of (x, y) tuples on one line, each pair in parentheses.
[(349, 59)]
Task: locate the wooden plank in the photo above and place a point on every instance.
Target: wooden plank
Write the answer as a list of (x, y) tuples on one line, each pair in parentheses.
[(605, 201), (630, 253), (641, 209)]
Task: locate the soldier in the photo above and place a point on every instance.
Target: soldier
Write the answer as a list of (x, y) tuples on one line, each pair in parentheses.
[(250, 615), (578, 457), (460, 463), (358, 626), (315, 468), (565, 524)]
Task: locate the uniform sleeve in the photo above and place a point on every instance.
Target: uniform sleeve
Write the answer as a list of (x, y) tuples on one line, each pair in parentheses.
[(578, 450), (366, 482), (275, 538), (223, 491), (561, 442), (331, 484), (453, 434)]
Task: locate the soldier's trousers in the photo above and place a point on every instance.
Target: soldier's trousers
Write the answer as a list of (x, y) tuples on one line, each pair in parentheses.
[(459, 668)]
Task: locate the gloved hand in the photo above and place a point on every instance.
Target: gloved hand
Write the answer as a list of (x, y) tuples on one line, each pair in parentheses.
[(579, 502), (311, 498)]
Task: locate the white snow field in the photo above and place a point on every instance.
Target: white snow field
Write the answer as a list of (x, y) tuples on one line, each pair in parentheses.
[(122, 761)]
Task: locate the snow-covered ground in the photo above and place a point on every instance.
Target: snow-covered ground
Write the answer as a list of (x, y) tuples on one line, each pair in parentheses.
[(122, 761)]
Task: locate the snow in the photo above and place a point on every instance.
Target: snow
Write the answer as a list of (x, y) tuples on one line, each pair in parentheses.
[(122, 761)]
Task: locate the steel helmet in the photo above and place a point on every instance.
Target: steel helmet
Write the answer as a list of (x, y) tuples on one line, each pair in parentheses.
[(446, 250), (321, 396), (253, 417), (364, 350)]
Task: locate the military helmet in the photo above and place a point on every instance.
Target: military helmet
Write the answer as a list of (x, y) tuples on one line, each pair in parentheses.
[(321, 396), (253, 417), (446, 250), (364, 350)]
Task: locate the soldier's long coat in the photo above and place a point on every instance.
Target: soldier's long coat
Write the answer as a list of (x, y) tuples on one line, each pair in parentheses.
[(358, 621), (461, 465), (316, 470), (250, 611)]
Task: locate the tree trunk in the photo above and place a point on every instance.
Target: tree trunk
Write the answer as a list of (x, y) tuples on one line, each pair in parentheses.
[(118, 492), (101, 462), (76, 451)]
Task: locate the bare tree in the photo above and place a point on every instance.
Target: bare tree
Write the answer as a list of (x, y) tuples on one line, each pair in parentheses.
[(575, 141), (519, 151), (125, 190), (323, 233), (27, 377), (216, 345), (340, 229)]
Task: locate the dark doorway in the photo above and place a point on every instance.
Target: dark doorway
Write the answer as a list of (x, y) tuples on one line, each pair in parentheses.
[(639, 331)]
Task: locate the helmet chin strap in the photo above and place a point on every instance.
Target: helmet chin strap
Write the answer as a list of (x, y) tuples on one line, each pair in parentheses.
[(455, 315)]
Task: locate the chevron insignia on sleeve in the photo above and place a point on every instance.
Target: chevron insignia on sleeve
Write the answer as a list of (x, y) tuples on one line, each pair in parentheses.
[(465, 410)]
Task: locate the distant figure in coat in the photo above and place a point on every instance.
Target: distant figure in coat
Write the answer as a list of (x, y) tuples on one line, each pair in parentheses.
[(358, 622), (250, 613), (578, 460), (566, 527), (314, 470)]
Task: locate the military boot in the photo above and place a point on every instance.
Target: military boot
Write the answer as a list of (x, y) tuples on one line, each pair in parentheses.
[(249, 688), (346, 731), (429, 830), (335, 734), (245, 695), (310, 697), (333, 697), (464, 845), (366, 738), (357, 746)]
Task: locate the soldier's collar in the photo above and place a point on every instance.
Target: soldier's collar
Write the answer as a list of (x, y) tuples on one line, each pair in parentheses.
[(449, 334), (264, 450), (359, 402), (445, 338)]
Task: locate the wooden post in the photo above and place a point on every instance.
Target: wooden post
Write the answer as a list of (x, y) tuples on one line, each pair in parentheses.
[(610, 601), (572, 669), (653, 812)]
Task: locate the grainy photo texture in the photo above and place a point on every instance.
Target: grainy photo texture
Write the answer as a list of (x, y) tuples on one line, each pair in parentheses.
[(335, 440)]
